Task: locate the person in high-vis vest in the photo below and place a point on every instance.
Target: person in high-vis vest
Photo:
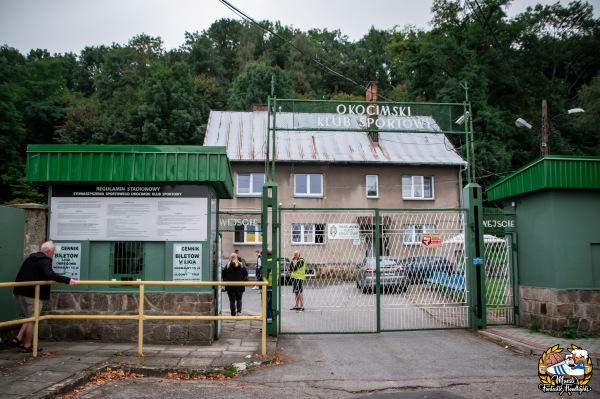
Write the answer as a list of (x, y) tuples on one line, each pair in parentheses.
[(298, 274), (270, 286)]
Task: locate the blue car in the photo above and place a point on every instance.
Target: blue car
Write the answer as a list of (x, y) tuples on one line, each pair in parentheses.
[(420, 268)]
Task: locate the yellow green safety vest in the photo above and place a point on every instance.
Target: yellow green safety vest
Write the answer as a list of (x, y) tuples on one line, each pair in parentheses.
[(299, 273), (270, 276)]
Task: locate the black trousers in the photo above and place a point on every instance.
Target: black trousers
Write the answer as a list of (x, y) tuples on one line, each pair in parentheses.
[(235, 301)]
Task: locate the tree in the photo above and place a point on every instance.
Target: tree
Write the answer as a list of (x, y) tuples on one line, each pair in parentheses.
[(225, 35), (171, 112), (253, 86), (202, 57)]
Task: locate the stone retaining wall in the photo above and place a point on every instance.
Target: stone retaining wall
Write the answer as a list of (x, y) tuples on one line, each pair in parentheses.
[(552, 309), (172, 332)]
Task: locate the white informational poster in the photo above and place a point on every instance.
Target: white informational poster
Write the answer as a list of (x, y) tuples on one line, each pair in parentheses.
[(129, 213), (187, 262), (67, 260), (343, 231)]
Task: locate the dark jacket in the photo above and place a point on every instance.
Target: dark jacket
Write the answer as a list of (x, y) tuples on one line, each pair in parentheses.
[(37, 267), (235, 273)]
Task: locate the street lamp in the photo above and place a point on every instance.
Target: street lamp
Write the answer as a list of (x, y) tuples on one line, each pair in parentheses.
[(545, 125)]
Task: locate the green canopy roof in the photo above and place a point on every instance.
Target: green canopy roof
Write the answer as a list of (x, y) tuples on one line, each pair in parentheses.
[(65, 164), (548, 172)]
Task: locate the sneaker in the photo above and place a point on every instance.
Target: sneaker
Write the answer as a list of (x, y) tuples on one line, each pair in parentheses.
[(299, 309), (255, 287), (239, 313), (294, 308), (563, 368)]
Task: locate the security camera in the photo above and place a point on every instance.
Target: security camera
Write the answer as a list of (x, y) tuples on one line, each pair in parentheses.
[(522, 123)]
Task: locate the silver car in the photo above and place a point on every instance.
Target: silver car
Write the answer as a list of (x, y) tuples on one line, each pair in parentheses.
[(392, 277)]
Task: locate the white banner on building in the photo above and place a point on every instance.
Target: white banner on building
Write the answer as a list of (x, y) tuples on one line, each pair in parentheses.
[(187, 262), (67, 260), (343, 231)]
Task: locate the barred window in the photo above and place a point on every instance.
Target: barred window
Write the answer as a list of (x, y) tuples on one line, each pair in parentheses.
[(127, 260)]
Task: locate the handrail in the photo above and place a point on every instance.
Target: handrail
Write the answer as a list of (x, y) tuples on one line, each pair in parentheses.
[(140, 316)]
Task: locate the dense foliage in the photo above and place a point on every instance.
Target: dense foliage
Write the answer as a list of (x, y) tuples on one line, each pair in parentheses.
[(139, 93)]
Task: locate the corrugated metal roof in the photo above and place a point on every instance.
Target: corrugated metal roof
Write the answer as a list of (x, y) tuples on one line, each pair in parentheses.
[(244, 135), (548, 172), (131, 163)]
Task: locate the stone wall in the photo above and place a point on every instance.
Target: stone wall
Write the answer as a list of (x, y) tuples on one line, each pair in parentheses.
[(172, 332), (552, 309), (35, 227)]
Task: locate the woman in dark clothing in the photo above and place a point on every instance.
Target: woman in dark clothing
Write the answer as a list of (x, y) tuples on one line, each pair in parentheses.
[(235, 271)]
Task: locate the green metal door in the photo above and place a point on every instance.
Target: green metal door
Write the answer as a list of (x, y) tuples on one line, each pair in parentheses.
[(12, 231)]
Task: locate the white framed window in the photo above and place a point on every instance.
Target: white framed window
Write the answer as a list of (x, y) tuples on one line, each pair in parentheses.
[(248, 234), (417, 187), (372, 184), (306, 185), (308, 233), (250, 184), (414, 232)]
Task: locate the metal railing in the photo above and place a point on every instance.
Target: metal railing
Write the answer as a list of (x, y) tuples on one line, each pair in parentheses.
[(141, 317)]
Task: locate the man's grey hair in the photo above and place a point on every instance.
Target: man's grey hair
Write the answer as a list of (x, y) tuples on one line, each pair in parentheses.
[(47, 246)]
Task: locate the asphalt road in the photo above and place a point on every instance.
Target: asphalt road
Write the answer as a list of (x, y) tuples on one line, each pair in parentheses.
[(412, 364)]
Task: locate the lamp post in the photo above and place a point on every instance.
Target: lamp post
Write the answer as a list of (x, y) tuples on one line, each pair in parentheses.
[(544, 148)]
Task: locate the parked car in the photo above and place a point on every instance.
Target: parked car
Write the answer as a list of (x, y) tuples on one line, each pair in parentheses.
[(419, 268), (285, 270), (392, 275)]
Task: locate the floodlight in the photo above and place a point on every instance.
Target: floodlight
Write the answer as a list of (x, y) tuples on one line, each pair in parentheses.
[(462, 118), (522, 123), (575, 110)]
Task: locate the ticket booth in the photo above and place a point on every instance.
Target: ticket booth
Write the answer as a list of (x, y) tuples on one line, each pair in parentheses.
[(128, 213)]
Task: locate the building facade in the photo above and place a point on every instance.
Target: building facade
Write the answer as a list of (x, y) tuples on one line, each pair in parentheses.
[(324, 161)]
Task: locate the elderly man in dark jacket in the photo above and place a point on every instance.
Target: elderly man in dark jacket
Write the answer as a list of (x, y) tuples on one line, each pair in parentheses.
[(37, 267)]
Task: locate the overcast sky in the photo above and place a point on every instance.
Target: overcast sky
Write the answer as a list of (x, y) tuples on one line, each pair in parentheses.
[(61, 26)]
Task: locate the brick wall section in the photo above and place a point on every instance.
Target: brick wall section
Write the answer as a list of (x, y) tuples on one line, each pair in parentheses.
[(185, 332), (552, 309)]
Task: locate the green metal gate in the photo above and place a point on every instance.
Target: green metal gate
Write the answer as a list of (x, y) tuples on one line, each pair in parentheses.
[(421, 282)]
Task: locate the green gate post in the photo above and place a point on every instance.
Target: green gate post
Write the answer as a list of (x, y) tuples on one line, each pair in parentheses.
[(474, 250), (269, 202)]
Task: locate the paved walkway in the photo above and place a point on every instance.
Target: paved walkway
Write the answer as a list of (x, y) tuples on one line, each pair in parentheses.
[(536, 343), (65, 365)]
